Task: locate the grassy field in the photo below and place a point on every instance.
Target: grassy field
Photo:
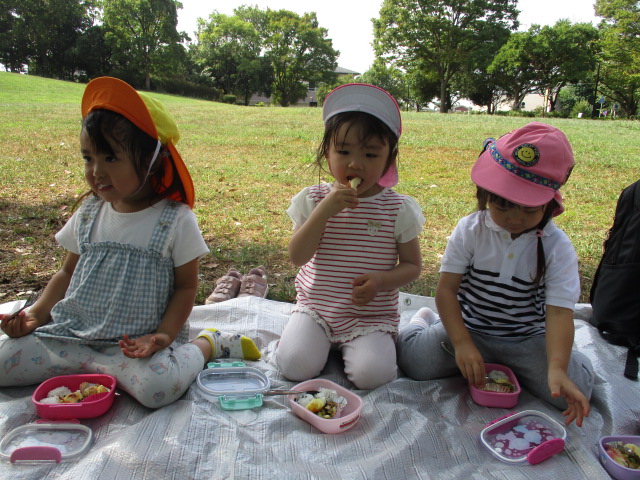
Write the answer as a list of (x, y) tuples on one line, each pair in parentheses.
[(247, 163)]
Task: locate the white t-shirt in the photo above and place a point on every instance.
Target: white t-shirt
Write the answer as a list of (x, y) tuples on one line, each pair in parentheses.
[(136, 228), (497, 294)]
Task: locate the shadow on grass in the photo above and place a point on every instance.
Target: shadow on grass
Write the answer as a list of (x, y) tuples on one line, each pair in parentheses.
[(30, 255)]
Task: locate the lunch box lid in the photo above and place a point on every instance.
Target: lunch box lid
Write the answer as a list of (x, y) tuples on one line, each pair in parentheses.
[(45, 441), (236, 386), (529, 436)]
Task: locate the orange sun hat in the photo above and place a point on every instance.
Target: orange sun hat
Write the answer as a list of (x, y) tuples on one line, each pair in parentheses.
[(146, 113)]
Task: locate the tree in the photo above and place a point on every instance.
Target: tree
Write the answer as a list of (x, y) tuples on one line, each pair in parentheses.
[(228, 51), (41, 33), (481, 88), (560, 55), (388, 77), (141, 32), (14, 36), (93, 55), (620, 52), (510, 69), (544, 60), (475, 82), (297, 49), (439, 36)]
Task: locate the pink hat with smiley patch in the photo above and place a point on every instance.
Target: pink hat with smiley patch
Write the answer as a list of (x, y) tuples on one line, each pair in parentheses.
[(526, 166)]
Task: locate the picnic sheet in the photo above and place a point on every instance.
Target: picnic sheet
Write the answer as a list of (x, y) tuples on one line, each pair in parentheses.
[(407, 429)]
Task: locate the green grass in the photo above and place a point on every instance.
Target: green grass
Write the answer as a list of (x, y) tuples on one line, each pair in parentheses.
[(247, 163)]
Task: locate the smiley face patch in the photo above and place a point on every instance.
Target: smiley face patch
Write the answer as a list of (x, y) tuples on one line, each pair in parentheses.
[(526, 154)]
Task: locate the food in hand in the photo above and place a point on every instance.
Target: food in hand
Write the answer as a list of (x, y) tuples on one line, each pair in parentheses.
[(326, 403), (627, 455), (498, 381), (354, 182), (65, 395)]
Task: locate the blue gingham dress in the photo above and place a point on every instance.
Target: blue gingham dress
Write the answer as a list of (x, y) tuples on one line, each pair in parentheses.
[(116, 289)]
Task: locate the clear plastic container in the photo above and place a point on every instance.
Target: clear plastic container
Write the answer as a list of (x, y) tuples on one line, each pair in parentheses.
[(46, 442), (526, 437), (346, 417), (90, 407), (234, 385), (497, 399), (617, 471)]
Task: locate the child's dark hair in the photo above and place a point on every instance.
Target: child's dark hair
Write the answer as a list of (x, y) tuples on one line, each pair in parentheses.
[(104, 126), (368, 126), (485, 197)]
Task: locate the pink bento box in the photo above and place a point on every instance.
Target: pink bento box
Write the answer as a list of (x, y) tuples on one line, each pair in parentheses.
[(345, 419), (496, 399), (92, 406)]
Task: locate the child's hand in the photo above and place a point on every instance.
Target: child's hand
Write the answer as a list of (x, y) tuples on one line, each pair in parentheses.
[(365, 288), (562, 386), (471, 364), (144, 346), (23, 324), (339, 198)]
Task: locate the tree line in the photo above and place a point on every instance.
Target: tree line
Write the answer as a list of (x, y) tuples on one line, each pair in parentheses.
[(425, 50)]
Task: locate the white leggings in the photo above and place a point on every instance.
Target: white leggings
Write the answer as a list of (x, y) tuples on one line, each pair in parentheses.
[(154, 381), (303, 349)]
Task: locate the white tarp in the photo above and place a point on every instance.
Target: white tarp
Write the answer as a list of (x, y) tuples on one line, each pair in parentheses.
[(408, 429)]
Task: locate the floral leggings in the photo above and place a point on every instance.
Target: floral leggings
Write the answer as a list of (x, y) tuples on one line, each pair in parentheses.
[(154, 381)]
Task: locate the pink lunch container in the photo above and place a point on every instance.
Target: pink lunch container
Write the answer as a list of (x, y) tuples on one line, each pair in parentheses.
[(90, 407), (346, 417), (496, 399)]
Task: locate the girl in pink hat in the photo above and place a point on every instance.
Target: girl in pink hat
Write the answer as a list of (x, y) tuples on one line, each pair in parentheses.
[(356, 241), (509, 280)]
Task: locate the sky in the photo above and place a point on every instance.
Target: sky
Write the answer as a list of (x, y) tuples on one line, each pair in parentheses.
[(349, 21)]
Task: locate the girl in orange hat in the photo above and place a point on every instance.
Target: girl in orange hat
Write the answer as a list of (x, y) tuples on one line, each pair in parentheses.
[(129, 280)]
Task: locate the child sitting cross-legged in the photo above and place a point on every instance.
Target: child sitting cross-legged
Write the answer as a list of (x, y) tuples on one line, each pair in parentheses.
[(119, 304)]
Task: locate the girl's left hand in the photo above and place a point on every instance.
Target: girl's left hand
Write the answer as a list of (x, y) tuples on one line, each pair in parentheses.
[(577, 404), (144, 346), (365, 288)]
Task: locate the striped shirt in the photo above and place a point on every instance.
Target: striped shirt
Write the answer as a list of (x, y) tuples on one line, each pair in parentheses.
[(355, 241), (497, 294)]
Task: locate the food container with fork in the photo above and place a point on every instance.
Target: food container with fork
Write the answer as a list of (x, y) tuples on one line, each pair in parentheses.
[(344, 419)]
